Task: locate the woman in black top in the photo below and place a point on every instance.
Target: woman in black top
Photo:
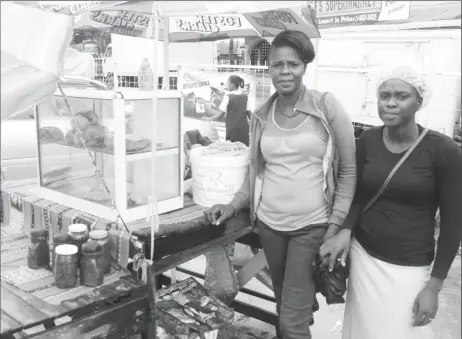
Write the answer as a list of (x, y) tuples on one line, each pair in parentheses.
[(235, 108), (393, 289)]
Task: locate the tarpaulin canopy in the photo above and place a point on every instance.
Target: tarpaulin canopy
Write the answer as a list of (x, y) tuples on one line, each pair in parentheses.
[(36, 51), (31, 55), (190, 21)]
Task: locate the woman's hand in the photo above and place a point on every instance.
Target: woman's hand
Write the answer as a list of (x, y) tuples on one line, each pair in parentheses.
[(334, 246), (219, 213), (331, 231), (426, 303)]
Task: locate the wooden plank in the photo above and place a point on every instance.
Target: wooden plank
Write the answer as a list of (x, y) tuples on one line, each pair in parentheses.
[(7, 323), (19, 310), (39, 304), (6, 246), (250, 270), (14, 256), (52, 291), (121, 321), (181, 257), (38, 285)]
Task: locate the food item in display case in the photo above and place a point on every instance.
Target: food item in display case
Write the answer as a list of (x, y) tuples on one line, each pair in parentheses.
[(86, 128), (38, 255), (92, 264), (66, 266), (84, 120), (51, 134)]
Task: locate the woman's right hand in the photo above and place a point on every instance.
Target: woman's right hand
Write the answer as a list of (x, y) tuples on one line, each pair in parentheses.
[(334, 246), (219, 213)]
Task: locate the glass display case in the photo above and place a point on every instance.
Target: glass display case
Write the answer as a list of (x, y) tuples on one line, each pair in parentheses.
[(109, 135)]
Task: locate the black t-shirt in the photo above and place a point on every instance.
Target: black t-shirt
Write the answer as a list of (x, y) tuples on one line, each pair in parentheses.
[(237, 125), (399, 227)]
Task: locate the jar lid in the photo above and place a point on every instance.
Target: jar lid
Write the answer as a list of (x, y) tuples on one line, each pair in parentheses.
[(91, 247), (66, 249), (38, 233), (98, 234), (61, 237), (76, 228)]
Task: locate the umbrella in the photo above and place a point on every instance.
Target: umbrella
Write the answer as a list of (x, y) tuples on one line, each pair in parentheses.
[(31, 55), (188, 21)]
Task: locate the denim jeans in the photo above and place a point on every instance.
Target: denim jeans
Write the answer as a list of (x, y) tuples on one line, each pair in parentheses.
[(290, 256)]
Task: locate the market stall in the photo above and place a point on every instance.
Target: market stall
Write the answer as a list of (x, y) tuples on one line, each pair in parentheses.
[(93, 126)]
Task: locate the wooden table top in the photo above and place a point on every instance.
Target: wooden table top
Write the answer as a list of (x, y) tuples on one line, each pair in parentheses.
[(30, 297)]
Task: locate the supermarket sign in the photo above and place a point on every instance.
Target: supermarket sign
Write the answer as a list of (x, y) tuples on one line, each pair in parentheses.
[(341, 13)]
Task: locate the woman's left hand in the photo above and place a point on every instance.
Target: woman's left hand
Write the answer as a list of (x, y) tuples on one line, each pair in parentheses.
[(425, 306)]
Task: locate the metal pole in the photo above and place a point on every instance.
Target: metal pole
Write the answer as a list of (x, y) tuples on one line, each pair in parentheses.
[(166, 81), (151, 328)]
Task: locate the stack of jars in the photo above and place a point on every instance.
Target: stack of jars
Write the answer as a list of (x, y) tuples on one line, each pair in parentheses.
[(76, 251)]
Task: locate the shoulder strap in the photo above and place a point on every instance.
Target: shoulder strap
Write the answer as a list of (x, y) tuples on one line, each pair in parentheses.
[(393, 171), (326, 112)]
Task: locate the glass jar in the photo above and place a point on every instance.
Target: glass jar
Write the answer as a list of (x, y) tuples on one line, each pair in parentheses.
[(66, 265), (79, 235), (101, 237), (38, 255), (58, 239), (92, 264)]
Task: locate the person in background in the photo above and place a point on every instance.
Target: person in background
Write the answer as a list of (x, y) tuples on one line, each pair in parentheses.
[(393, 287), (301, 179), (235, 109)]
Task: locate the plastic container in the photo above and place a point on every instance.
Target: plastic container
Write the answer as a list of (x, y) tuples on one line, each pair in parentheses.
[(101, 237), (38, 255), (218, 172), (66, 266), (92, 265), (145, 76)]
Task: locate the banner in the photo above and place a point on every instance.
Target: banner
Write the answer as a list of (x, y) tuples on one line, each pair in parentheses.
[(344, 13), (204, 90)]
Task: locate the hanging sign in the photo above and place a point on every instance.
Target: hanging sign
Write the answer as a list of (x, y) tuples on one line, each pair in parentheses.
[(207, 23), (270, 23), (342, 13)]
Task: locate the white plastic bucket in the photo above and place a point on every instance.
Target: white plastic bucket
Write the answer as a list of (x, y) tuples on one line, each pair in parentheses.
[(216, 178)]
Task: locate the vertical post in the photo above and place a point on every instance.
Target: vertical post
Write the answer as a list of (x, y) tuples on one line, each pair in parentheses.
[(150, 271), (166, 81), (120, 154)]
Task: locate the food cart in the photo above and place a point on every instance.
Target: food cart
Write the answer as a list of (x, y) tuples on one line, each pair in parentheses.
[(179, 235)]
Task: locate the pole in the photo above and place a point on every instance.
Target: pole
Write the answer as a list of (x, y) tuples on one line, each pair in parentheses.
[(151, 328), (166, 77)]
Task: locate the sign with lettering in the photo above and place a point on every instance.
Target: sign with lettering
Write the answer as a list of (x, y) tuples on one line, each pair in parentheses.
[(123, 22), (75, 7), (270, 23), (340, 13), (394, 10), (208, 23)]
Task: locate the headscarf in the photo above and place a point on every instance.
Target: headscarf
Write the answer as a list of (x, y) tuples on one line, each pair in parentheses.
[(410, 76)]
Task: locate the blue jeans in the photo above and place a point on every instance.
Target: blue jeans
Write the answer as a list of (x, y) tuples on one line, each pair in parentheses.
[(290, 256)]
